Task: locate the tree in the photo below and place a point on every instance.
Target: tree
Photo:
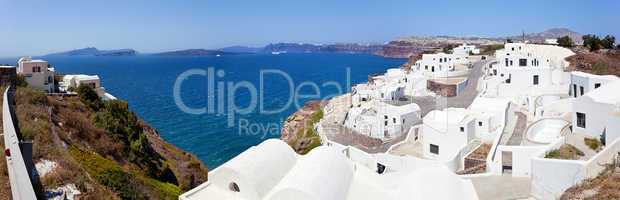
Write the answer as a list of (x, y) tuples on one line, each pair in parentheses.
[(608, 42), (89, 97), (19, 81), (592, 42), (565, 41)]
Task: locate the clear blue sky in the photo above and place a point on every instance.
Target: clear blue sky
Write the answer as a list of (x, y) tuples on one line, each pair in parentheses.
[(37, 27)]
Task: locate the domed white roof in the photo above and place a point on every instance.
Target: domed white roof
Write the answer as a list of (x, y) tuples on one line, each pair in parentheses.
[(322, 174), (256, 171)]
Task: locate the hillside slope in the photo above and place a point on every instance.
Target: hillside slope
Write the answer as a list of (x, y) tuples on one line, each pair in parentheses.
[(102, 148)]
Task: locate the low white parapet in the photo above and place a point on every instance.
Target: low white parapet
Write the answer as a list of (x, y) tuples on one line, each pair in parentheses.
[(19, 178)]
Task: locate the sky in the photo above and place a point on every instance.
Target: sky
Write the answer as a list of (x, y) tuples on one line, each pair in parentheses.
[(29, 27)]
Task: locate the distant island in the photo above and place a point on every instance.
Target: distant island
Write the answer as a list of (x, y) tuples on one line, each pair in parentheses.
[(92, 51), (196, 52), (404, 47)]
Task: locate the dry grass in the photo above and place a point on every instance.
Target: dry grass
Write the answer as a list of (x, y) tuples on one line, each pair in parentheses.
[(5, 188), (565, 152), (605, 186), (594, 144)]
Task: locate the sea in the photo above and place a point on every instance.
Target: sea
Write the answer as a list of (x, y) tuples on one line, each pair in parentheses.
[(218, 106)]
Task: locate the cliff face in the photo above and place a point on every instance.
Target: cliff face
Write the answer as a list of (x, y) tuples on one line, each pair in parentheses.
[(400, 49), (298, 129), (102, 149)]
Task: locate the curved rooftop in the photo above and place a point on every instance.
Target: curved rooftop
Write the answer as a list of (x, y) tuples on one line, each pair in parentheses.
[(323, 174)]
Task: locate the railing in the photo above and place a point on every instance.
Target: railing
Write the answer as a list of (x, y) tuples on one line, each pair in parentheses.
[(19, 178)]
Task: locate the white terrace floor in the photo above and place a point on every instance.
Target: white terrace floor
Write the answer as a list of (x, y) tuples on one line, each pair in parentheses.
[(501, 187)]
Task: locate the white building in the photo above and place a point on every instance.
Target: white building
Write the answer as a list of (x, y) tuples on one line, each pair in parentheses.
[(446, 132), (441, 64), (465, 50), (552, 41), (73, 81), (582, 83), (273, 171), (490, 115), (525, 69), (386, 87), (37, 73), (383, 120), (595, 113)]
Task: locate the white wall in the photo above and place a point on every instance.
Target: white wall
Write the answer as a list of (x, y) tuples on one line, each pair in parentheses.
[(596, 113)]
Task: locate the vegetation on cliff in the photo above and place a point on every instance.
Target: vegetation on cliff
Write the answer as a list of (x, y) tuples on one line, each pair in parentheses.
[(103, 148), (298, 130)]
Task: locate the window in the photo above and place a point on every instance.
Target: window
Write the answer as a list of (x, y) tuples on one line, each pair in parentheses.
[(581, 90), (434, 149), (233, 187), (511, 63), (36, 69), (581, 120), (479, 123), (462, 129), (522, 62), (597, 85), (403, 121), (425, 67), (535, 79), (384, 116), (385, 123), (506, 62), (575, 90), (394, 120)]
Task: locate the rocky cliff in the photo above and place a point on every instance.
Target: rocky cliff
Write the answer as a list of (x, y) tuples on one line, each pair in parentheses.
[(87, 149), (298, 129)]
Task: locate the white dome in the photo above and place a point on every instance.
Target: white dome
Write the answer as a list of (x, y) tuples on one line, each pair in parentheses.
[(322, 174), (257, 170)]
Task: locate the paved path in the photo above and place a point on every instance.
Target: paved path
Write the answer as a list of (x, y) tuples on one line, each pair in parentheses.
[(519, 130), (501, 187)]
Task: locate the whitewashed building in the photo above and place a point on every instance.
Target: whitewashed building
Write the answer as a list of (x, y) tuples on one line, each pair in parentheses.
[(465, 50), (446, 132), (526, 69), (37, 73), (383, 120), (73, 81), (582, 83), (595, 113)]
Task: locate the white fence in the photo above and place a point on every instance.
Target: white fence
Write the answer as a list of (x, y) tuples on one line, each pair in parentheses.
[(21, 187), (551, 177)]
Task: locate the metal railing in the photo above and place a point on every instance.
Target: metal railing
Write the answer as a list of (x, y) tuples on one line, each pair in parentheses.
[(19, 178)]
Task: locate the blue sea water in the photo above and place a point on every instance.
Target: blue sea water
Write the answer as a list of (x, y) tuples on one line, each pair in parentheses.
[(147, 83)]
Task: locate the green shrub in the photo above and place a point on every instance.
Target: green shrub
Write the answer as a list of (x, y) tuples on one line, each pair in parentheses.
[(122, 125), (600, 68), (89, 97), (19, 81), (120, 182), (565, 41)]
